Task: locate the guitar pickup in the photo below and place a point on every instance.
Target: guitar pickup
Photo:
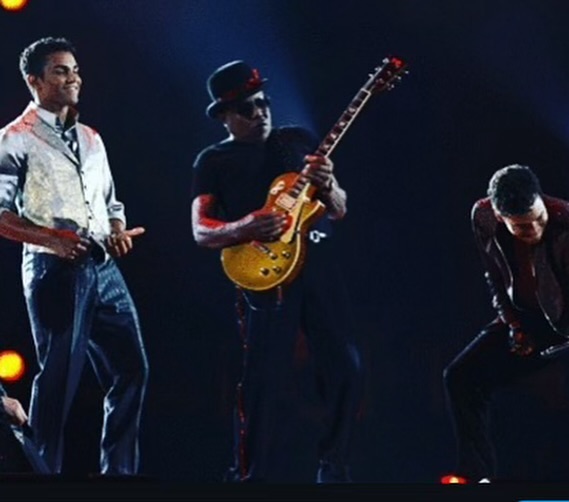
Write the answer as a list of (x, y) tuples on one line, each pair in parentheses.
[(285, 201)]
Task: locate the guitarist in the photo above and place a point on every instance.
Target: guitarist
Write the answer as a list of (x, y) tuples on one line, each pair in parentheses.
[(523, 238), (230, 184)]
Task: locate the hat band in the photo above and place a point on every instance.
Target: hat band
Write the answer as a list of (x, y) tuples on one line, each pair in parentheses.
[(254, 82)]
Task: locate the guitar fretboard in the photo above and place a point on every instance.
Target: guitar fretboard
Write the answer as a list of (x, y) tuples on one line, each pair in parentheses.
[(344, 122), (382, 79)]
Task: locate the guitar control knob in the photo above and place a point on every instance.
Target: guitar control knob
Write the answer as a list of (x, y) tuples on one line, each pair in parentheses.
[(273, 256), (265, 271), (278, 270), (286, 254)]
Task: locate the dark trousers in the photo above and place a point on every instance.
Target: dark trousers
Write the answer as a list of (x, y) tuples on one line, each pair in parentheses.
[(471, 379), (78, 311), (317, 304), (18, 452)]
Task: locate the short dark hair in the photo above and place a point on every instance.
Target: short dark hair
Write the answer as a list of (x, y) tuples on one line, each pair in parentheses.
[(513, 190), (33, 58)]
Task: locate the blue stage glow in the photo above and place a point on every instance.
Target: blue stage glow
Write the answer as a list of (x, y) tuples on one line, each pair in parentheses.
[(194, 38), (535, 82)]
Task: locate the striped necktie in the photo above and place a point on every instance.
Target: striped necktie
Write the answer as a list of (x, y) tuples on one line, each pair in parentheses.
[(69, 136)]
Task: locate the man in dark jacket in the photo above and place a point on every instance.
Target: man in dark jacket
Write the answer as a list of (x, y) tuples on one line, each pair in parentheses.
[(523, 238)]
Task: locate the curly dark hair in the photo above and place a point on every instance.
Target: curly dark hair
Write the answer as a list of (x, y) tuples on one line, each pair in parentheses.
[(513, 190), (33, 58)]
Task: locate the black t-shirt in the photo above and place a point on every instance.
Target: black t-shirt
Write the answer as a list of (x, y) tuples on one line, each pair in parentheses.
[(239, 174)]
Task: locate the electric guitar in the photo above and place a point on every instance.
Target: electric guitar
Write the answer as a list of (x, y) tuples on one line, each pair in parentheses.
[(262, 266)]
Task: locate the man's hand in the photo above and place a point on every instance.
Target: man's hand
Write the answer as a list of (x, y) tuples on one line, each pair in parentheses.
[(319, 170), (520, 343), (262, 225), (119, 243), (14, 410), (67, 244)]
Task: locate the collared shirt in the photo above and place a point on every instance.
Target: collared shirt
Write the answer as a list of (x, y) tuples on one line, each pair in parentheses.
[(67, 131), (42, 180), (53, 121)]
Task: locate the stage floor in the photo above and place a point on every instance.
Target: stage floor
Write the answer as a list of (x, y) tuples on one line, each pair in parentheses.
[(61, 488)]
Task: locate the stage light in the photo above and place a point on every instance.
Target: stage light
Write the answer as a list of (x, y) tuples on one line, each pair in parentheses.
[(13, 5), (12, 366), (453, 480)]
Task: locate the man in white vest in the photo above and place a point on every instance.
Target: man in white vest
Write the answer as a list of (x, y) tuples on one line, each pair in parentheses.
[(57, 197)]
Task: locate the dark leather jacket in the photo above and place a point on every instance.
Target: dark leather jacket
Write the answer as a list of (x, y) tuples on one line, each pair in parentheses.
[(551, 262)]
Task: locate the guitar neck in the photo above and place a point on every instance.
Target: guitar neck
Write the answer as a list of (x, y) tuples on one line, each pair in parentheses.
[(332, 139), (382, 79)]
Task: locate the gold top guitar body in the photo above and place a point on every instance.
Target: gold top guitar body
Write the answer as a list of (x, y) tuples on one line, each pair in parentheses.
[(262, 266)]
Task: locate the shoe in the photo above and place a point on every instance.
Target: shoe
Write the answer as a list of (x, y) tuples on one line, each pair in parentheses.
[(333, 473), (232, 475), (484, 480)]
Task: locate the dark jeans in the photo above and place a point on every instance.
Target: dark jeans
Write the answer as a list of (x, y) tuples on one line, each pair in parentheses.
[(317, 304), (77, 311), (484, 366)]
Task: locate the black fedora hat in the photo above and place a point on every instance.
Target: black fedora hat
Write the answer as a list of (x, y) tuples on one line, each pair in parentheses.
[(230, 83)]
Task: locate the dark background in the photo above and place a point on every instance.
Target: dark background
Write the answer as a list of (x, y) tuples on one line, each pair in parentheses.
[(488, 86)]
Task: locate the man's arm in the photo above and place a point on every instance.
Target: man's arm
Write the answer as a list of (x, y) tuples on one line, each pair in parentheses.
[(213, 233), (119, 242), (335, 199), (320, 171), (65, 243), (12, 410), (520, 342)]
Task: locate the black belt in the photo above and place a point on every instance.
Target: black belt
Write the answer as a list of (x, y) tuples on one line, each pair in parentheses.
[(96, 252)]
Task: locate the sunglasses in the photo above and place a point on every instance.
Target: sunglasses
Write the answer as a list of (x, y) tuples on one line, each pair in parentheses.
[(247, 108)]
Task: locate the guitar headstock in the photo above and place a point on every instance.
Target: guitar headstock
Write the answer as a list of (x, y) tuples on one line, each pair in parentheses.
[(386, 76)]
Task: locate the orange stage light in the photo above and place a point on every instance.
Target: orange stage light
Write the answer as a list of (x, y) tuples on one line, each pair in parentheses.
[(453, 480), (12, 366), (13, 5)]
